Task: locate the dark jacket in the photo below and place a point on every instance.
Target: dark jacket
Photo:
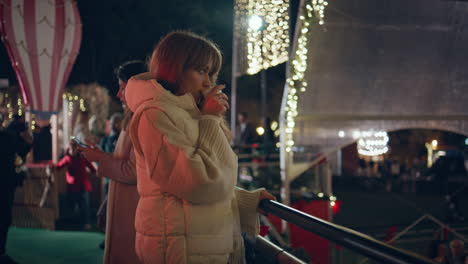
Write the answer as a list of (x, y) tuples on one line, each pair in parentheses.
[(107, 144), (246, 137), (11, 146)]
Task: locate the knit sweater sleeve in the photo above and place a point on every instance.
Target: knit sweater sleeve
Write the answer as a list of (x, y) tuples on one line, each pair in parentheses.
[(196, 172), (248, 201), (65, 161)]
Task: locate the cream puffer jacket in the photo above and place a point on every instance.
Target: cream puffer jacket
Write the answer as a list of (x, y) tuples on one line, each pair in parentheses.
[(189, 209)]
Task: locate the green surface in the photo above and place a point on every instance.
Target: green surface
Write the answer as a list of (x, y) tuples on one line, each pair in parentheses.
[(367, 212), (31, 246)]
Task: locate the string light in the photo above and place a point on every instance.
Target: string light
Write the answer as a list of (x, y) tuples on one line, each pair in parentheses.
[(341, 134), (373, 143), (313, 12), (33, 122), (260, 131), (10, 110), (274, 125), (12, 107), (265, 26), (70, 98), (20, 107)]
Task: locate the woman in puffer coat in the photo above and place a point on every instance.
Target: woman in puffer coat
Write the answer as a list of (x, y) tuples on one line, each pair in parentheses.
[(190, 210)]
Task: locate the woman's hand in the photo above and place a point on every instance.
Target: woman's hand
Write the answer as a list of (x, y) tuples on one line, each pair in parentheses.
[(92, 153), (216, 102), (265, 195)]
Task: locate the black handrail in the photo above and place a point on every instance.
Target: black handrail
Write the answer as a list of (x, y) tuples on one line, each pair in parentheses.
[(343, 236), (271, 253)]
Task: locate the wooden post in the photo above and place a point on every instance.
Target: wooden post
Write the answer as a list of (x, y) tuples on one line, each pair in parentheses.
[(54, 131)]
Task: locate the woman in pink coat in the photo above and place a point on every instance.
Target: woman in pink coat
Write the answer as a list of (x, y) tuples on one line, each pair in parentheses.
[(190, 210), (122, 195)]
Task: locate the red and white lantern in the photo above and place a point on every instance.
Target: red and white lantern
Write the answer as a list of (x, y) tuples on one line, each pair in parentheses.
[(42, 38)]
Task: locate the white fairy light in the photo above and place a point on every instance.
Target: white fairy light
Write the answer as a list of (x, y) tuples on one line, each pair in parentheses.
[(313, 12), (372, 143), (266, 34)]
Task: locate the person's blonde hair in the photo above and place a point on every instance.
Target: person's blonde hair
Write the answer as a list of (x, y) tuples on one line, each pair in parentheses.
[(83, 119), (180, 51)]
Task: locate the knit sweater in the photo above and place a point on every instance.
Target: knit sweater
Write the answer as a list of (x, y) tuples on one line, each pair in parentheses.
[(189, 209)]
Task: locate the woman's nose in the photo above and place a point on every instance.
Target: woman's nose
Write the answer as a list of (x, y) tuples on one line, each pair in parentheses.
[(120, 92), (207, 81)]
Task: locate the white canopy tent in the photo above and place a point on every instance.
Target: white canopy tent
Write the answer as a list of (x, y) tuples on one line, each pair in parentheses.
[(374, 65)]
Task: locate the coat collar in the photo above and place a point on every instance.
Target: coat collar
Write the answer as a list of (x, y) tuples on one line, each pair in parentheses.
[(142, 88)]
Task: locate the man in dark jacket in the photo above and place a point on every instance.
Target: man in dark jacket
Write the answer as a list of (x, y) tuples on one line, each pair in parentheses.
[(245, 133), (15, 144), (107, 144)]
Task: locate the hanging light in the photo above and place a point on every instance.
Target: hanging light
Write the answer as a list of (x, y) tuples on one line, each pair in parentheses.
[(255, 22), (372, 143)]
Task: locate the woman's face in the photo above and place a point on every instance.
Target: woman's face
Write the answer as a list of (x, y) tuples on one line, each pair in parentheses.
[(121, 92), (196, 82)]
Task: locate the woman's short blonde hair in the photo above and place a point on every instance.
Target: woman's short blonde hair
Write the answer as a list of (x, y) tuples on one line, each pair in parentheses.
[(180, 51)]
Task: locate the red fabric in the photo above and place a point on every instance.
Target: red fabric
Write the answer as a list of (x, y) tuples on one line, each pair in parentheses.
[(263, 230), (77, 176), (31, 42), (41, 164), (336, 208), (391, 232), (316, 247), (59, 36)]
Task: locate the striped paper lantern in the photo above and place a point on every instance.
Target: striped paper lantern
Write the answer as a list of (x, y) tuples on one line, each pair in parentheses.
[(42, 38)]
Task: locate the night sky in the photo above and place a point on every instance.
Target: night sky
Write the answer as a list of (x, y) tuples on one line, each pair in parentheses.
[(118, 30), (115, 31)]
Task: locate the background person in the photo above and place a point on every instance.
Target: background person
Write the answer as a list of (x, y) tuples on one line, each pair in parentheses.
[(78, 183), (457, 250), (119, 168), (245, 133), (14, 146)]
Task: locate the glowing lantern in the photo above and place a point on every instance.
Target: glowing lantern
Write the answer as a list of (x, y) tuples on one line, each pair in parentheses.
[(42, 38)]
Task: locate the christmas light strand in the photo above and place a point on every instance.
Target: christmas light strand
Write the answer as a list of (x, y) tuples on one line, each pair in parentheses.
[(373, 143), (266, 45), (312, 13), (71, 99)]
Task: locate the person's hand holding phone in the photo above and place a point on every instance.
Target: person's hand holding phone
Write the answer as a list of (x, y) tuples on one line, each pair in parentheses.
[(79, 142), (89, 150), (92, 153)]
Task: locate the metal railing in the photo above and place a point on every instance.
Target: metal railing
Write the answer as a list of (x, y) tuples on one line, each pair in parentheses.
[(271, 253), (343, 236)]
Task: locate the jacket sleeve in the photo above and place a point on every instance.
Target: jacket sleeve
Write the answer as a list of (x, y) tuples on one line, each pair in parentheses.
[(63, 162), (248, 201), (89, 165), (103, 142), (121, 170), (196, 173)]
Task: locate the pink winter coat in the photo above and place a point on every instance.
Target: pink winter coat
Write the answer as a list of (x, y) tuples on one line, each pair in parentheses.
[(122, 200)]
